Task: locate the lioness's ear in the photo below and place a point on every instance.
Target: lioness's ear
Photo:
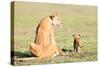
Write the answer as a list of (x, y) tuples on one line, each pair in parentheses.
[(51, 17)]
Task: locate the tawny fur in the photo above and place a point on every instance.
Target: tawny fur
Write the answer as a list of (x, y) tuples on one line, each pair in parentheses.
[(44, 44), (77, 43)]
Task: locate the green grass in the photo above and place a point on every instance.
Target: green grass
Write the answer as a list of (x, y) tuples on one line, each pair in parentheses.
[(76, 18)]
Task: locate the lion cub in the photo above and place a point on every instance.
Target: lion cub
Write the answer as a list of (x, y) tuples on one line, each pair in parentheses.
[(76, 43)]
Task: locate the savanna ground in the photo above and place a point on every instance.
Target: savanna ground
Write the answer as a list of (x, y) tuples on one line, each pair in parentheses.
[(76, 18)]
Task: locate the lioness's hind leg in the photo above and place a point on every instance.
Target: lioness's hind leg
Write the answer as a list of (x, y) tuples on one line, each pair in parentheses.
[(33, 49), (33, 46)]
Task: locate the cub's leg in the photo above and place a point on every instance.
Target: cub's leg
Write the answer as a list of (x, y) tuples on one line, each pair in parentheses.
[(76, 48)]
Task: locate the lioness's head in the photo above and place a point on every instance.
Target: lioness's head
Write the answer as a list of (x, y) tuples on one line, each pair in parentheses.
[(56, 21)]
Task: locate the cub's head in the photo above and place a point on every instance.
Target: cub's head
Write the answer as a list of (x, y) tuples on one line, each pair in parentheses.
[(76, 36), (56, 21)]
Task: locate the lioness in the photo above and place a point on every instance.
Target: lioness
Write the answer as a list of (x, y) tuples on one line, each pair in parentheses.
[(44, 44), (77, 43)]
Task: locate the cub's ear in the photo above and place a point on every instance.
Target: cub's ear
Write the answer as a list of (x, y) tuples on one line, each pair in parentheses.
[(79, 35), (51, 17), (73, 35)]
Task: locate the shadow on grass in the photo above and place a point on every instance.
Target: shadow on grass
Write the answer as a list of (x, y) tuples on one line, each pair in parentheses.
[(20, 54), (66, 50), (17, 54)]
